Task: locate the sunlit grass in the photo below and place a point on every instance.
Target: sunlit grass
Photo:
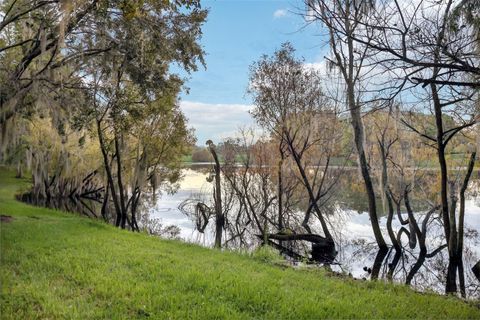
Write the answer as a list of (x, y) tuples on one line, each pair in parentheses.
[(57, 265)]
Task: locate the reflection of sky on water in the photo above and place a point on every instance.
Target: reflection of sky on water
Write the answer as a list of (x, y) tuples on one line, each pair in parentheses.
[(357, 226), (166, 208), (352, 224)]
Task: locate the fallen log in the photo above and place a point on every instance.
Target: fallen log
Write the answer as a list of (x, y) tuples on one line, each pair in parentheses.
[(323, 249), (314, 238)]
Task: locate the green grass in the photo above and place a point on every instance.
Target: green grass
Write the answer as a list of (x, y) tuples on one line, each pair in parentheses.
[(56, 265)]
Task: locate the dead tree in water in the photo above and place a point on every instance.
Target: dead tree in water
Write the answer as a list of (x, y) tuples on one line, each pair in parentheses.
[(461, 222), (217, 195), (343, 19), (250, 180), (290, 104), (323, 249)]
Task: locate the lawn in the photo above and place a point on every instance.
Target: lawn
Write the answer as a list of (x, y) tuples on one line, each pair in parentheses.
[(57, 265)]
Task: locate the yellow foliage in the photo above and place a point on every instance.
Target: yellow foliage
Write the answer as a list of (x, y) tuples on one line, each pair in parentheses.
[(73, 154)]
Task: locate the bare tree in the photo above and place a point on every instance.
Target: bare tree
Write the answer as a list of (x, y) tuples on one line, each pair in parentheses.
[(217, 196), (249, 172), (429, 43), (289, 102), (342, 20)]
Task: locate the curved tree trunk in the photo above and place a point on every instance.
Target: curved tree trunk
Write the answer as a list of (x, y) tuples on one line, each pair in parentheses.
[(108, 170), (461, 223), (123, 215), (359, 135)]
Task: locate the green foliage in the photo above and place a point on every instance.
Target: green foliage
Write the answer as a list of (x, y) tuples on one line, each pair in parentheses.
[(115, 63), (57, 265), (201, 154)]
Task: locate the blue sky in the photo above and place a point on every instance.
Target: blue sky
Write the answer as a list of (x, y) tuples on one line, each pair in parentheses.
[(235, 35)]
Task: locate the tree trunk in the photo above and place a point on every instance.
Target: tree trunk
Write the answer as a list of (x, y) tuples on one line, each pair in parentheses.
[(359, 138), (105, 202), (280, 194), (450, 285), (377, 263), (396, 243), (120, 183), (135, 200), (461, 223), (19, 174), (418, 264), (461, 279), (109, 173), (219, 217), (357, 124), (315, 238)]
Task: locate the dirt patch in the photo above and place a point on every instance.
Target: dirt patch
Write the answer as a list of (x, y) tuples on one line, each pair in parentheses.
[(6, 219)]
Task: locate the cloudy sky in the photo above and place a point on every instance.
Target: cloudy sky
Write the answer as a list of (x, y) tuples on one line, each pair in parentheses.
[(236, 34)]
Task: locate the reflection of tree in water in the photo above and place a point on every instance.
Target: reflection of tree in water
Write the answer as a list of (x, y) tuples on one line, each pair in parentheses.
[(89, 207), (95, 207), (246, 215), (349, 194), (423, 269)]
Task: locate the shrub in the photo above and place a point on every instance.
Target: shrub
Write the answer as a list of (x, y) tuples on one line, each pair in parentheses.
[(201, 155)]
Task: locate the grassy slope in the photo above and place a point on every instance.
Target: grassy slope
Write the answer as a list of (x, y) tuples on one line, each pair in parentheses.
[(57, 265)]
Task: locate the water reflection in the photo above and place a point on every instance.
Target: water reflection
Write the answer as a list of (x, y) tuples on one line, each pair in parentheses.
[(85, 206)]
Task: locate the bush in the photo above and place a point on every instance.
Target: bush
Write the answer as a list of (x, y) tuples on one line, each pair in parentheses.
[(201, 155)]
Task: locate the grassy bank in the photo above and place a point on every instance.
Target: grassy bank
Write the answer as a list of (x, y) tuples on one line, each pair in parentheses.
[(57, 265)]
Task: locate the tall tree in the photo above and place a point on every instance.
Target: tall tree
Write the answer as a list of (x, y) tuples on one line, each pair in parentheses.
[(434, 44), (343, 19), (115, 58), (217, 195), (133, 91), (289, 102)]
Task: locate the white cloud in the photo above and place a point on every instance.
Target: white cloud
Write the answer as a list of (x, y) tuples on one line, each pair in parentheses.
[(280, 13), (216, 121), (320, 67)]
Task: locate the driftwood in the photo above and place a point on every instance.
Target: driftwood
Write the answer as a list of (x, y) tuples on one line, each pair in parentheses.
[(314, 238), (323, 249)]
